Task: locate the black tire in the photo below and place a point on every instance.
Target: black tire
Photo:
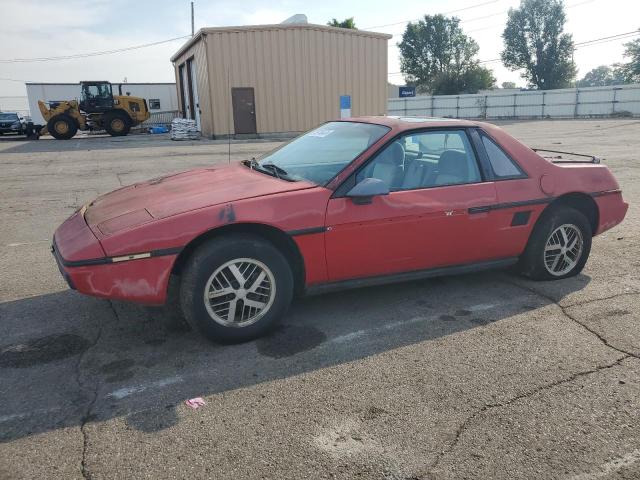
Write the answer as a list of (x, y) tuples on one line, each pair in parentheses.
[(204, 263), (532, 263), (62, 127), (117, 124)]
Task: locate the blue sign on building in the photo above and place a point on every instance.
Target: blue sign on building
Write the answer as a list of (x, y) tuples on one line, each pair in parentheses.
[(345, 106), (407, 92)]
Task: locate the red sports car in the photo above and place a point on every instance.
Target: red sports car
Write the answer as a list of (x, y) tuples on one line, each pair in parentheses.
[(351, 203)]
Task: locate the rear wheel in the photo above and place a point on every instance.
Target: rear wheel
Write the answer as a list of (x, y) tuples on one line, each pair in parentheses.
[(62, 127), (559, 245), (236, 288), (117, 124)]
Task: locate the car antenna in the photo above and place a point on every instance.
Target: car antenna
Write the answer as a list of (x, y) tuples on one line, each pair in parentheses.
[(229, 114)]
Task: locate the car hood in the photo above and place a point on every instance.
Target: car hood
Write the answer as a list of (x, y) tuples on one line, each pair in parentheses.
[(181, 192)]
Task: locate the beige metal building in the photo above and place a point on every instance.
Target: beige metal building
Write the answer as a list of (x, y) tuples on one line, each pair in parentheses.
[(277, 79)]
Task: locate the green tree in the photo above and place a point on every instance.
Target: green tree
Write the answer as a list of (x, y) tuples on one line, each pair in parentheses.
[(534, 41), (346, 23), (630, 71), (438, 58), (601, 76), (509, 85)]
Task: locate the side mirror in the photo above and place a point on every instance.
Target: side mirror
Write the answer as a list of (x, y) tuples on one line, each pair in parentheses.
[(364, 191)]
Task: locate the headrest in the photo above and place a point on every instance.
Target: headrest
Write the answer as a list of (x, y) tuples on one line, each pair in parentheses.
[(454, 163), (394, 154)]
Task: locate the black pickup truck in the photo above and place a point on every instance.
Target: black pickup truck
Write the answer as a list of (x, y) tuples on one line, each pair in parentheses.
[(14, 123)]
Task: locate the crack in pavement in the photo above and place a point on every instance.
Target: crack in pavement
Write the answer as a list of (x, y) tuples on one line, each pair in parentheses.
[(586, 302), (88, 411), (485, 408), (119, 180), (465, 424), (563, 309)]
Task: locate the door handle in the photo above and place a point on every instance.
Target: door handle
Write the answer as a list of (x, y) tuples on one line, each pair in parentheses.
[(473, 210)]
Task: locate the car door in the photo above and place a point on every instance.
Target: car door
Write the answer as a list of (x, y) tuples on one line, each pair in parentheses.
[(432, 217), (520, 198)]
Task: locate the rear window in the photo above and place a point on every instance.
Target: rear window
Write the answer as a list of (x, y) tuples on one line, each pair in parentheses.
[(502, 165)]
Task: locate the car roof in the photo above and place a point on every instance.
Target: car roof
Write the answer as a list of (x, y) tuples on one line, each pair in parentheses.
[(409, 123)]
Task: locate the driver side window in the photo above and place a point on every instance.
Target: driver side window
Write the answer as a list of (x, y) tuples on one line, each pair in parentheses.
[(425, 160)]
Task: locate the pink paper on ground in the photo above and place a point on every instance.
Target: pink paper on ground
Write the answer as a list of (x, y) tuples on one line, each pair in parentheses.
[(195, 403)]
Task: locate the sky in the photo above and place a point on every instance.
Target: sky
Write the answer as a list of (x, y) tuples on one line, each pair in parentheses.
[(36, 28)]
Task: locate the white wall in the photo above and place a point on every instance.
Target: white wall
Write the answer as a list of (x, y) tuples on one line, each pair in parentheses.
[(14, 104), (165, 92), (563, 103)]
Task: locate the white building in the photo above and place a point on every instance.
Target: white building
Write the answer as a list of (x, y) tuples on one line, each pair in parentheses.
[(160, 97)]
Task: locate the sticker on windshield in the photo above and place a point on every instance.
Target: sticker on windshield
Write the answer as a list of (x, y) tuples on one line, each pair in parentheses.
[(323, 132)]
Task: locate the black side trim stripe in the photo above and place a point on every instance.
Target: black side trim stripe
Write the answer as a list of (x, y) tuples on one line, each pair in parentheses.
[(307, 231), (166, 251), (502, 206), (479, 209), (537, 201), (108, 260)]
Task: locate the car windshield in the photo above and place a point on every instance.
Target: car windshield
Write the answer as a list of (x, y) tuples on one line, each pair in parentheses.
[(5, 117), (318, 155)]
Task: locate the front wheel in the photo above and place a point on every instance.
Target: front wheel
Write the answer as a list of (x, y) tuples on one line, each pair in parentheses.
[(236, 288), (62, 127), (559, 245), (117, 124)]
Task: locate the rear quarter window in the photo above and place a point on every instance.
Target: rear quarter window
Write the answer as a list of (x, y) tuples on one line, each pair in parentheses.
[(501, 164)]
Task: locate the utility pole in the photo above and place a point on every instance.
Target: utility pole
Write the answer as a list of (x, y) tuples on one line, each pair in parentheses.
[(192, 25)]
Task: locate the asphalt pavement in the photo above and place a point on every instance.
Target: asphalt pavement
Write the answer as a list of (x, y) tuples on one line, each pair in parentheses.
[(476, 376)]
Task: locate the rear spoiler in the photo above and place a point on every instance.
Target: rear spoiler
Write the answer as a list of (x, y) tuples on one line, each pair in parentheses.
[(558, 158)]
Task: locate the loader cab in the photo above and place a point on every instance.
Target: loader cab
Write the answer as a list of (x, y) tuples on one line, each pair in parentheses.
[(96, 97)]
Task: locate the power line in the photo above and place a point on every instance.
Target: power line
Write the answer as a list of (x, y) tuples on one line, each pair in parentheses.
[(478, 18), (91, 54), (609, 38), (586, 43), (445, 13)]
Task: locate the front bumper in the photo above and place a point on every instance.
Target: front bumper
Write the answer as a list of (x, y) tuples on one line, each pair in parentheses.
[(59, 261), (141, 277)]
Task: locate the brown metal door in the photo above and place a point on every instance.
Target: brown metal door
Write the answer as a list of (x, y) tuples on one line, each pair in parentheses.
[(244, 110)]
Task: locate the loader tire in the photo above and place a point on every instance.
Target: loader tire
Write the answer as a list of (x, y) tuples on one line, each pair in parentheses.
[(62, 127), (117, 124)]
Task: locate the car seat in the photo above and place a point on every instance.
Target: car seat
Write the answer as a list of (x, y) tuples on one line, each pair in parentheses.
[(388, 167), (453, 168)]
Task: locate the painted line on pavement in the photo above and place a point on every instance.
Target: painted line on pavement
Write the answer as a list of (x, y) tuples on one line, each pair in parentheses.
[(401, 323), (127, 391)]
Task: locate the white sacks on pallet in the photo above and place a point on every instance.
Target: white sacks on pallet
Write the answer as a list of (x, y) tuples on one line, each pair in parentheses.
[(184, 129)]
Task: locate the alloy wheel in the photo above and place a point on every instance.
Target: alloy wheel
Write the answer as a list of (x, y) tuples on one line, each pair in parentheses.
[(563, 250), (239, 292)]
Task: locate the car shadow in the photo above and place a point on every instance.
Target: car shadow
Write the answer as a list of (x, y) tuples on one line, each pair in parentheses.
[(67, 359)]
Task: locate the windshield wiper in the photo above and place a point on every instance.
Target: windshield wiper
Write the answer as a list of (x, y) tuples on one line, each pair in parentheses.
[(270, 169), (278, 171), (253, 163)]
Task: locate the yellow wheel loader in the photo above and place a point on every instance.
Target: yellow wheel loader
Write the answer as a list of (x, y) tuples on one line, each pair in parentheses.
[(98, 109)]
